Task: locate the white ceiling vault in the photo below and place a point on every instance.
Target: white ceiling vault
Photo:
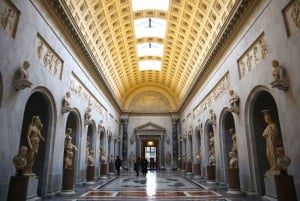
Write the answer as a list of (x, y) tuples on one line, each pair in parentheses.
[(149, 54)]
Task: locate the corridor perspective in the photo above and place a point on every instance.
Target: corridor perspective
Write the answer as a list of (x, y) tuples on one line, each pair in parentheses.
[(154, 186), (205, 94)]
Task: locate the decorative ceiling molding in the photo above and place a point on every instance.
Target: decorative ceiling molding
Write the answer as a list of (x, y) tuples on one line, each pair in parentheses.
[(195, 34)]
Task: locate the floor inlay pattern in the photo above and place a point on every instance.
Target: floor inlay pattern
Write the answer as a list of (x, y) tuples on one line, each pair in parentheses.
[(153, 186)]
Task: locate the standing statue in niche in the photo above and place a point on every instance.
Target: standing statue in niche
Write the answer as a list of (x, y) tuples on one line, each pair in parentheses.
[(273, 139), (234, 163), (102, 155), (69, 147), (168, 159), (233, 154), (132, 158), (33, 139), (89, 153), (233, 138), (212, 157), (20, 161), (21, 77)]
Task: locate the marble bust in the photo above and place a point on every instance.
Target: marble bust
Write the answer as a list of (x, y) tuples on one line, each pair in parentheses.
[(21, 77), (20, 161)]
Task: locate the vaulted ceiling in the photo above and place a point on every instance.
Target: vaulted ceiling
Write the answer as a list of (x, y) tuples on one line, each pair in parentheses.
[(106, 31)]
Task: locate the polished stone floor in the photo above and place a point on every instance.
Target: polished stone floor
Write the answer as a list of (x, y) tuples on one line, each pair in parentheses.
[(165, 186)]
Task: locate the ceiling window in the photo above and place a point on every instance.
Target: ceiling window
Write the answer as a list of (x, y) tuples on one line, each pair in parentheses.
[(150, 27), (150, 4), (150, 49)]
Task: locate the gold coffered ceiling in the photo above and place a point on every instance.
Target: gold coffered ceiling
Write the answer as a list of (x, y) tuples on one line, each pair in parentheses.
[(106, 27)]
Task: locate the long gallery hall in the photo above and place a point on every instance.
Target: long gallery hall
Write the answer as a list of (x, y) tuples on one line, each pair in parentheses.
[(204, 95)]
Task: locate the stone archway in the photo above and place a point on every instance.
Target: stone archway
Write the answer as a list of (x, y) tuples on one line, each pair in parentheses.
[(151, 131), (40, 104), (261, 101)]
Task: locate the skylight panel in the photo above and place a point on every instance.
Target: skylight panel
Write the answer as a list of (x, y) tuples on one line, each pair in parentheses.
[(150, 27), (150, 4), (150, 49), (150, 65)]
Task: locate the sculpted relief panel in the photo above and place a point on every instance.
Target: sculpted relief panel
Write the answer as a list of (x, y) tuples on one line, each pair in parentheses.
[(80, 90), (219, 90), (150, 102), (292, 17), (48, 58), (253, 56), (9, 18)]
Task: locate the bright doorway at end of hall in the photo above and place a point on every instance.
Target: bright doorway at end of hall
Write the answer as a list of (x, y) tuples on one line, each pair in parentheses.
[(151, 153)]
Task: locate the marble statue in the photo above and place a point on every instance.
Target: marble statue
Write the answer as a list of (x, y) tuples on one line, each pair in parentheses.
[(283, 161), (276, 70), (212, 157), (132, 158), (66, 104), (89, 153), (198, 157), (102, 155), (33, 139), (21, 77), (20, 161), (234, 99), (273, 139), (69, 148), (233, 138), (168, 158), (233, 160), (280, 78)]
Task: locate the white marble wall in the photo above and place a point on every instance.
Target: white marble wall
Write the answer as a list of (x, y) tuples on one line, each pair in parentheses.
[(267, 19), (14, 51)]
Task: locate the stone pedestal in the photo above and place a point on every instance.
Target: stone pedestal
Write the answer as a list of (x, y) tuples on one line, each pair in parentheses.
[(111, 167), (103, 171), (33, 183), (197, 171), (285, 188), (270, 187), (90, 174), (18, 188), (68, 182), (211, 174), (233, 181)]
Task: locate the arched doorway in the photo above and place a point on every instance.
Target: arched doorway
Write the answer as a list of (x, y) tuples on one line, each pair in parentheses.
[(39, 107), (262, 101)]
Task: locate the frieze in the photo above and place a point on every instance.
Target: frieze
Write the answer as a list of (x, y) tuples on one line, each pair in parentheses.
[(80, 90), (48, 58), (292, 17), (219, 90), (253, 56), (9, 18)]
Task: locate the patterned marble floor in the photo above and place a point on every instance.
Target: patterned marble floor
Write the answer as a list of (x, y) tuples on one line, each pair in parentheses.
[(159, 186)]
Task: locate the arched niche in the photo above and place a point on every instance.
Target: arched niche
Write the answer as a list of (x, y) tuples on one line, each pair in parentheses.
[(226, 141), (262, 100), (91, 139), (41, 104), (73, 122)]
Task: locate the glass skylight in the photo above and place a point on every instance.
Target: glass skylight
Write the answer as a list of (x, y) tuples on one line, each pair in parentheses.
[(150, 27), (150, 4), (150, 49), (150, 65)]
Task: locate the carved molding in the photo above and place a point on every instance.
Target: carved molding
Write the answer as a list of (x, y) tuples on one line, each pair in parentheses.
[(256, 53), (9, 18), (48, 58)]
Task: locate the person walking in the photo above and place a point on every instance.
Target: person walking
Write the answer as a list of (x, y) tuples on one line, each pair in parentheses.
[(118, 165), (137, 165)]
